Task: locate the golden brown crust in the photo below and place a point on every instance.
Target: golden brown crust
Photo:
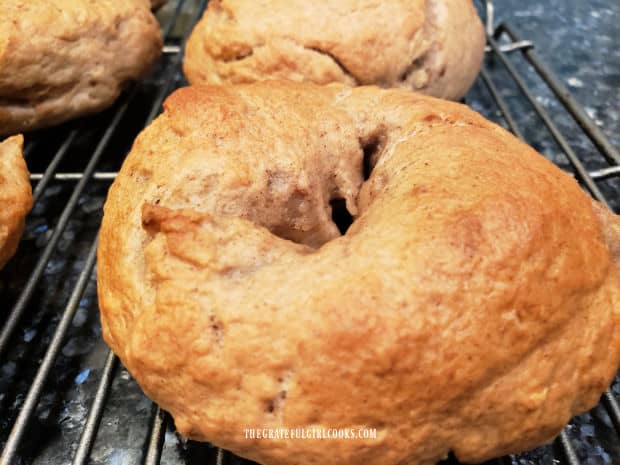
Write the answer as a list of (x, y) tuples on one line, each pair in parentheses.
[(15, 196), (471, 306), (60, 59), (431, 46)]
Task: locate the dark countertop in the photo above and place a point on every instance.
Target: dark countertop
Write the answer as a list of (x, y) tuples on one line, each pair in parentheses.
[(579, 41)]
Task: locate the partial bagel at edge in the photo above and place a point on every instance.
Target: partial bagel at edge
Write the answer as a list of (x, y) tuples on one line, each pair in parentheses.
[(62, 59), (15, 196)]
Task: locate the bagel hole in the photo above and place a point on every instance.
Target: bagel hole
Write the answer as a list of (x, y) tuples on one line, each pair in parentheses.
[(340, 215), (372, 149)]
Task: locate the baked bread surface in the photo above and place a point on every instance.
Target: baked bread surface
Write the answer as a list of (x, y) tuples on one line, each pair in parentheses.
[(60, 59), (472, 306), (15, 196), (431, 46)]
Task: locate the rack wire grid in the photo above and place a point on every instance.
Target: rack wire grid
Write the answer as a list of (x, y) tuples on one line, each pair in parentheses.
[(64, 397)]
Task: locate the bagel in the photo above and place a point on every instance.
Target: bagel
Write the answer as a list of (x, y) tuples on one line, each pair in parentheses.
[(430, 46), (60, 59), (15, 196), (471, 306)]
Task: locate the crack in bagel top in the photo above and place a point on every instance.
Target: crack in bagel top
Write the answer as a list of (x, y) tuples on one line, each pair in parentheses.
[(223, 280)]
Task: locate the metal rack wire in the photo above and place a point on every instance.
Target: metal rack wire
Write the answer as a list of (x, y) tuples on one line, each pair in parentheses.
[(73, 169)]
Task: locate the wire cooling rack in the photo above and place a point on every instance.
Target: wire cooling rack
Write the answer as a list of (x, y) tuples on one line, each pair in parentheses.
[(64, 397)]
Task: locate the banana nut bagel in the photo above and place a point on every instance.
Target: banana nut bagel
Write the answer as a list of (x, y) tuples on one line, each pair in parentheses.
[(471, 306)]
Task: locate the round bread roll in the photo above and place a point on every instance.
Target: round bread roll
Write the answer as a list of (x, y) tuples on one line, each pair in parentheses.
[(60, 59), (15, 196), (472, 305), (432, 46)]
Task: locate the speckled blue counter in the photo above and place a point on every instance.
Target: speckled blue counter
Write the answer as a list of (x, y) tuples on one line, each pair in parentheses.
[(580, 41)]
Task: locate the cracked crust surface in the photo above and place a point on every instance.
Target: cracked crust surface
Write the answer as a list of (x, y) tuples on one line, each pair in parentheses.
[(432, 46), (471, 306), (15, 196), (60, 59)]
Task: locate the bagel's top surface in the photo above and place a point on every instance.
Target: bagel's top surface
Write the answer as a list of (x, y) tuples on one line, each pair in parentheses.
[(63, 58), (432, 46), (15, 196), (471, 306)]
